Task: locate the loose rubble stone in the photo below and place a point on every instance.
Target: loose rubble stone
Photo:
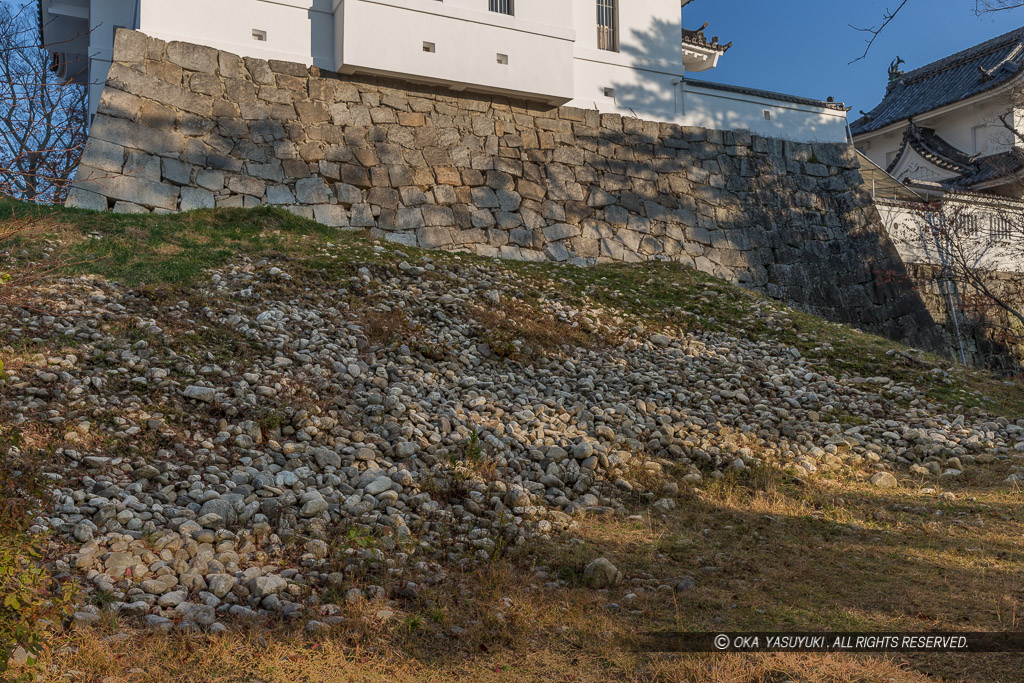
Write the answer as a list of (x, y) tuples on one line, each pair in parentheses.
[(884, 480), (326, 452), (601, 573)]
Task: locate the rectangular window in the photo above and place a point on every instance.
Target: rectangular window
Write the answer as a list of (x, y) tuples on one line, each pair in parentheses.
[(1000, 228), (502, 6), (607, 25), (971, 223), (259, 35), (979, 137)]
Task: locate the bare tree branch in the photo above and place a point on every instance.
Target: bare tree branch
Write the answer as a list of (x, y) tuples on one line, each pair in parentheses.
[(874, 32), (980, 7), (42, 118)]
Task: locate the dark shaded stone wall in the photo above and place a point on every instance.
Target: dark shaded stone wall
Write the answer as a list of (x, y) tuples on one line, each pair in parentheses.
[(184, 127)]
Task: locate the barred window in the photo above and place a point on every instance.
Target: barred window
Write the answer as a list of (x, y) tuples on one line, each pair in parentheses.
[(502, 6), (607, 25), (1000, 228), (972, 224)]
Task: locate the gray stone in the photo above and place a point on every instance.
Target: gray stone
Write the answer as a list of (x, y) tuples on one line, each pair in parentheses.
[(133, 190), (80, 198), (103, 155), (312, 191), (601, 573), (331, 214), (193, 198), (193, 57), (884, 480), (205, 394), (178, 172), (172, 598), (262, 586), (378, 485), (279, 194)]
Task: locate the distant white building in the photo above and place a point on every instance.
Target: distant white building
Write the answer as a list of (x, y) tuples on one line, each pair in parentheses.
[(952, 132), (949, 126), (629, 57)]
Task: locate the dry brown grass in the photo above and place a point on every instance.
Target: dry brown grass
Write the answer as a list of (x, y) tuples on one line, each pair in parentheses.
[(824, 555), (517, 328), (383, 328)]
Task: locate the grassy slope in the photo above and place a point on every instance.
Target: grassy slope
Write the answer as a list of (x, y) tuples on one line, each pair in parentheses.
[(823, 554)]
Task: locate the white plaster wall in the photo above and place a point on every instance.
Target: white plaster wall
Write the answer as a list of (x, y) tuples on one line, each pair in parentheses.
[(104, 17), (955, 126), (297, 30), (908, 228), (722, 110), (387, 36), (644, 73)]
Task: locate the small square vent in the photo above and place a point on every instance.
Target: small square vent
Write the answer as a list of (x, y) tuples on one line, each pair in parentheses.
[(609, 92), (429, 47), (502, 59), (259, 35)]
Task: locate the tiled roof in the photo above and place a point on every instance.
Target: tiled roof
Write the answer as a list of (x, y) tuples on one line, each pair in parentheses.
[(766, 94), (933, 149), (995, 167), (696, 37), (971, 171), (954, 78)]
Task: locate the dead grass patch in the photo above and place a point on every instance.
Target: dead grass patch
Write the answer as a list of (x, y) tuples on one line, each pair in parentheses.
[(519, 329)]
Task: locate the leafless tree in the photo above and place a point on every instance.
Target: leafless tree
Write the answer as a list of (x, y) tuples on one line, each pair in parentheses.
[(976, 254), (872, 32), (42, 119)]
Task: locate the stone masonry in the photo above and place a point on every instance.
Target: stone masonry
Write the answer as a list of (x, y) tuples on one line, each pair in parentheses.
[(183, 127)]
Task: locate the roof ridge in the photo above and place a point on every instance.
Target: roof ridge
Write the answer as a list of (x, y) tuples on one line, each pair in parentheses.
[(965, 55)]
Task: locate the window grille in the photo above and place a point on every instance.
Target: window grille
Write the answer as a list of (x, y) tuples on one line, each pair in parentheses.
[(502, 6), (607, 25), (1000, 228), (971, 225)]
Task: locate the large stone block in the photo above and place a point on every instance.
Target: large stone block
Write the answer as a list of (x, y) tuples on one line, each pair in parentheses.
[(129, 80), (312, 191), (193, 57), (80, 198), (130, 46), (332, 215), (135, 190), (196, 198), (107, 156)]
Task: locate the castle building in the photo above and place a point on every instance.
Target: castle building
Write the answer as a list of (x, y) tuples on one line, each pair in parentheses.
[(955, 125), (631, 57)]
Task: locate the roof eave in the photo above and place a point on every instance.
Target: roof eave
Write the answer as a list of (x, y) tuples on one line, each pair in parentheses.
[(895, 126)]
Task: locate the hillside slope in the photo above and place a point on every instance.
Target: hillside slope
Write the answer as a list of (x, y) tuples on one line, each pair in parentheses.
[(246, 416)]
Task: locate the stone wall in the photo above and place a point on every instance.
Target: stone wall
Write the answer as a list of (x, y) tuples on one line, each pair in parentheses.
[(985, 333), (183, 127)]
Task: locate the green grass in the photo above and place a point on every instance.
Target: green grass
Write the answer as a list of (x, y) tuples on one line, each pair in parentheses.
[(172, 251)]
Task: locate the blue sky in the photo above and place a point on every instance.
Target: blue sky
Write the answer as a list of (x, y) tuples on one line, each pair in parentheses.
[(802, 47)]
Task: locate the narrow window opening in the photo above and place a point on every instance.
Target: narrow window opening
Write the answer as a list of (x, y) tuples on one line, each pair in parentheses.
[(502, 6), (767, 115), (259, 35), (608, 25), (429, 47), (502, 59), (609, 92)]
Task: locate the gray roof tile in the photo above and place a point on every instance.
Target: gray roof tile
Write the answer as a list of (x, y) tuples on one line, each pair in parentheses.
[(951, 79)]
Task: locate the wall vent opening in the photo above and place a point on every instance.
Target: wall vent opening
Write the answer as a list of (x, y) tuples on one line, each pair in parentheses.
[(429, 47), (609, 92), (502, 59), (767, 115), (259, 35)]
